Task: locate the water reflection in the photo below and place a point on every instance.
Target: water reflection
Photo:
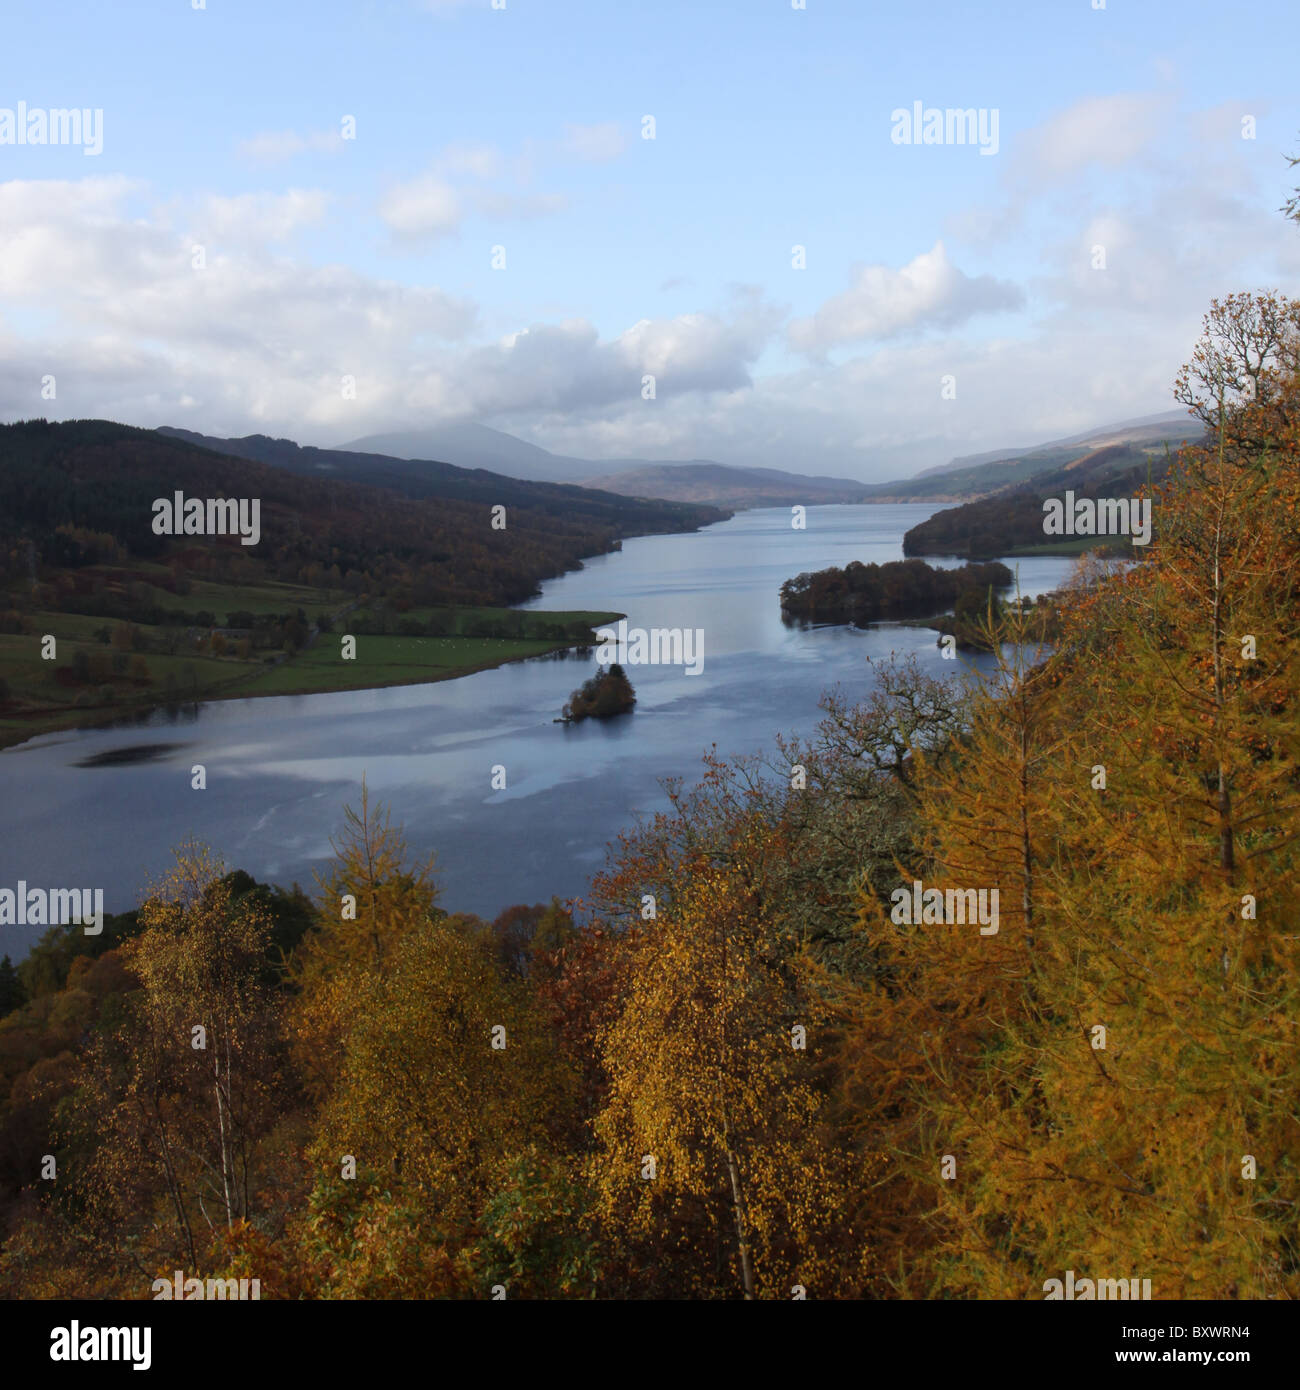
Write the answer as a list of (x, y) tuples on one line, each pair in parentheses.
[(104, 806)]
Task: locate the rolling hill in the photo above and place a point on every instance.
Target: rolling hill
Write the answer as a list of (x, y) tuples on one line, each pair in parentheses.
[(402, 455), (408, 555), (428, 479), (721, 485), (1149, 431), (1012, 519), (470, 445), (984, 475)]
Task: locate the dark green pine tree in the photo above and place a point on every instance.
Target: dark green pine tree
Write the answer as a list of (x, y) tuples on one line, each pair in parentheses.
[(11, 989)]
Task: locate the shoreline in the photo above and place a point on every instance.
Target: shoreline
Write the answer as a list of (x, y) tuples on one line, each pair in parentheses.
[(58, 724)]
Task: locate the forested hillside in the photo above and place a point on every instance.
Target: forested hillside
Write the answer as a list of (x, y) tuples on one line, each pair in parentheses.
[(140, 618), (58, 480), (1012, 519)]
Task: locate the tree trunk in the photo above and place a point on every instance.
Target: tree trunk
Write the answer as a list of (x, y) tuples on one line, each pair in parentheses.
[(738, 1208), (224, 1138)]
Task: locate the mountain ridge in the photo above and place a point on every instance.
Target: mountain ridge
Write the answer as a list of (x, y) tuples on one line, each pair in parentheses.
[(401, 458)]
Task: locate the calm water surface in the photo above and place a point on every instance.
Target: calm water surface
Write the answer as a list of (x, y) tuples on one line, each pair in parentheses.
[(101, 808)]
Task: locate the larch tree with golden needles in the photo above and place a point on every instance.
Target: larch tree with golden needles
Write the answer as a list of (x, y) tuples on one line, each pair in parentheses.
[(923, 1036), (1130, 1110), (1180, 940)]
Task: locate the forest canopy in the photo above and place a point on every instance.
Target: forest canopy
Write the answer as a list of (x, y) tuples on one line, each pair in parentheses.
[(730, 1071)]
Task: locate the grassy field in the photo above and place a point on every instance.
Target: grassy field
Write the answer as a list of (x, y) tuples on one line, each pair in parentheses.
[(1076, 546), (388, 661), (34, 700), (459, 619)]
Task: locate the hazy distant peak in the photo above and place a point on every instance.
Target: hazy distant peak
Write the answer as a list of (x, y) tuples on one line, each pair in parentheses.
[(471, 445), (1174, 425)]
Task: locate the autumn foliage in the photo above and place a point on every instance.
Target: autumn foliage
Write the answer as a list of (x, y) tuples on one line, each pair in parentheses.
[(733, 1071)]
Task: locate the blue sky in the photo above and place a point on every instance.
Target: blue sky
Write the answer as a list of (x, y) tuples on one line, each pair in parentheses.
[(521, 128)]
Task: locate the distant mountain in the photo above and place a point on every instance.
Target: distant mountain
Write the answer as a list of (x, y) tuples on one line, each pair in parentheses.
[(698, 481), (1171, 425), (975, 481), (425, 478), (991, 474), (476, 446), (724, 486), (702, 481)]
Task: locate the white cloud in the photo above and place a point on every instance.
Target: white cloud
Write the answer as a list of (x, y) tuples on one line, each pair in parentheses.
[(435, 203), (480, 160), (426, 206), (1224, 122), (132, 328), (107, 300), (519, 205), (596, 144), (1106, 130), (881, 416), (97, 286), (882, 302), (258, 217), (568, 367), (254, 341), (94, 199)]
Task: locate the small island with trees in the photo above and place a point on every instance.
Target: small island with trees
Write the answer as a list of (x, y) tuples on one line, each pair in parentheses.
[(860, 594), (602, 696)]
